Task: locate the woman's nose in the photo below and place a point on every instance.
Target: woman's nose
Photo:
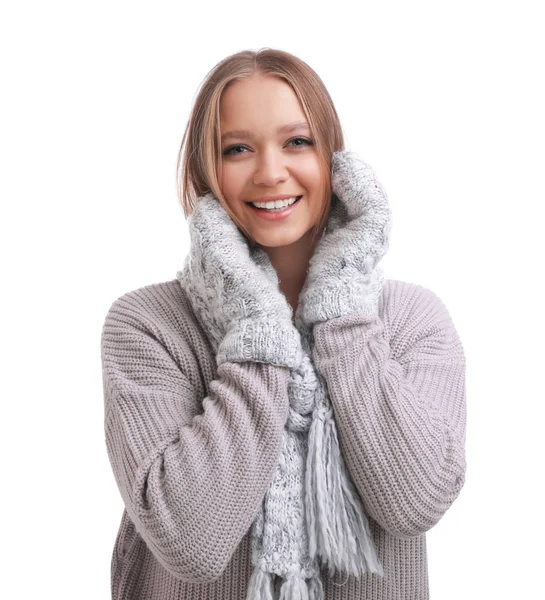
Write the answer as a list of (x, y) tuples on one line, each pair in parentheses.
[(270, 169)]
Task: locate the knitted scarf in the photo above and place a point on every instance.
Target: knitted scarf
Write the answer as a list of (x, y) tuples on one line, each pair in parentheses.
[(311, 509)]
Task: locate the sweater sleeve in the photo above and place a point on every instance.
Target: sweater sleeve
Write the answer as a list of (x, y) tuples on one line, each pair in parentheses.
[(192, 481), (399, 401)]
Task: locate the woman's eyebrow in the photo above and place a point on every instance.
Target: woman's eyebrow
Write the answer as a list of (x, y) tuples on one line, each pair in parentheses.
[(289, 128)]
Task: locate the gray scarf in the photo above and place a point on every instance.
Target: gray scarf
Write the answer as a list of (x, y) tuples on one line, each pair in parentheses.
[(311, 508)]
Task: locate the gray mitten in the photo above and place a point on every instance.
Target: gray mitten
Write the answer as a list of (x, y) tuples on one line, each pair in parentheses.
[(236, 292), (343, 276)]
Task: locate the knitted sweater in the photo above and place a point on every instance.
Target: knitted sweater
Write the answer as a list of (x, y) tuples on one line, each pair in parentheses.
[(193, 447)]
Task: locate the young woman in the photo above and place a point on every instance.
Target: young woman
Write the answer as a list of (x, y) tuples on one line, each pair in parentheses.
[(282, 421)]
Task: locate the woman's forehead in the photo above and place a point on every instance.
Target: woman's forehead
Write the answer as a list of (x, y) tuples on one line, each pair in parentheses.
[(255, 104)]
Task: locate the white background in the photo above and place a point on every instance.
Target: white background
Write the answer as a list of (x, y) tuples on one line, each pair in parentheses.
[(444, 99)]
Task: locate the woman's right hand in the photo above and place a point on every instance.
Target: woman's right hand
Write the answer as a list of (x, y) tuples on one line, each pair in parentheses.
[(236, 291)]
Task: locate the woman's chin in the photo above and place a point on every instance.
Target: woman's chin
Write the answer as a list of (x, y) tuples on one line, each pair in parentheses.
[(277, 239)]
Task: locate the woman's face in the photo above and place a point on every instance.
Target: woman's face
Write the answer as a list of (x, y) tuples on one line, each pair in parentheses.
[(268, 162)]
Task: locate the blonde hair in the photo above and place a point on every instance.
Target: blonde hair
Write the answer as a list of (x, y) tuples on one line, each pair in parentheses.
[(199, 158)]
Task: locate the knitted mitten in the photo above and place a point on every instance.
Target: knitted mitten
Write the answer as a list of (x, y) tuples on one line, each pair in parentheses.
[(235, 290), (343, 276)]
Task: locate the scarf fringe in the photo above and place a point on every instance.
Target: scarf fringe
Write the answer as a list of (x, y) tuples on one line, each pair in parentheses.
[(297, 588), (261, 587), (337, 525)]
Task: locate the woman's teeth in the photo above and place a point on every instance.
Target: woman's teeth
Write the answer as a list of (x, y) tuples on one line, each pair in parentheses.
[(275, 205)]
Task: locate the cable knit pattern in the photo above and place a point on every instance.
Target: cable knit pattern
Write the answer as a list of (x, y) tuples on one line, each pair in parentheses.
[(194, 445), (344, 275)]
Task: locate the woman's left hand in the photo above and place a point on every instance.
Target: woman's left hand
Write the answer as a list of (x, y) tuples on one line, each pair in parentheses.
[(343, 275)]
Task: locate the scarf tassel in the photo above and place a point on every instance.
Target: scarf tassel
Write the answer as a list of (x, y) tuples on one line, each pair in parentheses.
[(298, 588), (262, 587), (337, 525)]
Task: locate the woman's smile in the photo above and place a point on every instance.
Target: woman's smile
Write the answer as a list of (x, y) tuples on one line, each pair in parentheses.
[(276, 214)]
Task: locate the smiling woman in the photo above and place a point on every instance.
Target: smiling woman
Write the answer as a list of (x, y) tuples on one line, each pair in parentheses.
[(231, 391)]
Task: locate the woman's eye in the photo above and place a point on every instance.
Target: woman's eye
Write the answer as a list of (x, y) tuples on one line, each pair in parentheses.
[(231, 149), (309, 142)]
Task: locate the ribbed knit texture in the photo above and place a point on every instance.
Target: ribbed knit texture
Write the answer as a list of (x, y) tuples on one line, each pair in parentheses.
[(193, 446)]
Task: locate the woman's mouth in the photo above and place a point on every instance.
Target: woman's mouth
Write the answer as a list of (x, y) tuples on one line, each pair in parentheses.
[(277, 213)]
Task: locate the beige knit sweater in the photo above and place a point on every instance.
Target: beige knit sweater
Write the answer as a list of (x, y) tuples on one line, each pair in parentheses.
[(193, 447)]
